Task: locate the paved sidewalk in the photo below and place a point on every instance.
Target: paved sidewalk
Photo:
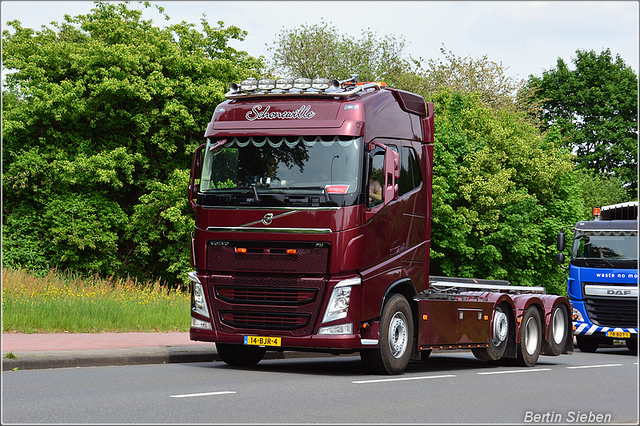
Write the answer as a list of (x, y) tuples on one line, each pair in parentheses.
[(65, 350)]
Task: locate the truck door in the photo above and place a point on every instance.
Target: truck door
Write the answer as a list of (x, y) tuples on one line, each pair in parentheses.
[(385, 229)]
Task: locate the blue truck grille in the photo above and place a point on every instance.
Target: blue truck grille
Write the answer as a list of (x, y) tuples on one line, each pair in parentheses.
[(610, 312)]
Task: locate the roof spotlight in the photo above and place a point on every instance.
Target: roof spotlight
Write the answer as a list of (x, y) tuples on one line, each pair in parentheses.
[(302, 83), (266, 84), (249, 84), (284, 83), (320, 83)]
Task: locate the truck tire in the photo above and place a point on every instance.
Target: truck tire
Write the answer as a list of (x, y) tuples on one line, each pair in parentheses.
[(632, 345), (530, 337), (396, 337), (558, 331), (587, 343), (240, 355), (498, 343)]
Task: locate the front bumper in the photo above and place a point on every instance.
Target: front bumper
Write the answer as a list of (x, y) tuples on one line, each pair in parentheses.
[(347, 342), (587, 329)]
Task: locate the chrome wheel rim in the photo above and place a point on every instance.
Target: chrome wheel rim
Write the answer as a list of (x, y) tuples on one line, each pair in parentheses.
[(558, 326), (398, 335), (531, 337)]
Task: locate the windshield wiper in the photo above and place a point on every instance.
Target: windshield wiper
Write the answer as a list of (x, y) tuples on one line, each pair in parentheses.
[(321, 188), (256, 199)]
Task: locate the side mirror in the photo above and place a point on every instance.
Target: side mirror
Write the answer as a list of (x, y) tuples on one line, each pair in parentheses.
[(560, 259), (196, 169), (561, 241)]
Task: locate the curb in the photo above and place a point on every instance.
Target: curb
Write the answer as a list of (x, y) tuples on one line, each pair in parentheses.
[(34, 360)]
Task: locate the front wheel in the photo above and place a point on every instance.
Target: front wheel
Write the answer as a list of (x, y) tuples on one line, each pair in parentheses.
[(530, 337), (396, 339), (240, 355)]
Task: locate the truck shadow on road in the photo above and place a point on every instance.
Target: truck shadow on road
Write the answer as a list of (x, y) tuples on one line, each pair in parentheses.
[(351, 365)]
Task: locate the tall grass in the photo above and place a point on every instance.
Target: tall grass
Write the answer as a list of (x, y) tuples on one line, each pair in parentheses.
[(59, 302)]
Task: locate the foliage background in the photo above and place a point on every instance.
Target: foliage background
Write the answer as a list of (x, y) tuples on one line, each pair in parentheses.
[(101, 115)]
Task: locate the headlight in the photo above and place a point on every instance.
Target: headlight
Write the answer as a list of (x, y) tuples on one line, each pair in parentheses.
[(339, 300), (577, 316), (198, 302)]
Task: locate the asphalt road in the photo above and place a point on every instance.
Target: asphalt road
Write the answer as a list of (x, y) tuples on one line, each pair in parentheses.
[(450, 387)]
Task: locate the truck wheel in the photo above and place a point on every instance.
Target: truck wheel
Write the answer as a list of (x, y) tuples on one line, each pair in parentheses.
[(558, 334), (498, 343), (396, 337), (587, 344), (530, 337), (240, 355), (632, 345)]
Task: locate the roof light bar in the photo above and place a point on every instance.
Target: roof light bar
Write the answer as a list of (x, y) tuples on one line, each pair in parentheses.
[(297, 86)]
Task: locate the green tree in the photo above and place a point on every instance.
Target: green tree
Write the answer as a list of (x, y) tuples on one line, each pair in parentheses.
[(595, 107), (501, 192), (468, 75), (101, 115), (320, 51)]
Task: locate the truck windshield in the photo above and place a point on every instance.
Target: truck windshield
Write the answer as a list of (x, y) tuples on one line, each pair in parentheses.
[(606, 245), (328, 164)]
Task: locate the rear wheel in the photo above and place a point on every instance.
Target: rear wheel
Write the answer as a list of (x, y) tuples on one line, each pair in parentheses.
[(530, 337), (396, 337), (497, 343), (558, 330), (240, 355)]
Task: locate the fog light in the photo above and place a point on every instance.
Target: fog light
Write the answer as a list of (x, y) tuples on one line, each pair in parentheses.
[(198, 323), (337, 329), (577, 316)]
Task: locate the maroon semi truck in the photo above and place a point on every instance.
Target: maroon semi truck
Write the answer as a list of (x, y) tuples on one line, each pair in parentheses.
[(312, 203)]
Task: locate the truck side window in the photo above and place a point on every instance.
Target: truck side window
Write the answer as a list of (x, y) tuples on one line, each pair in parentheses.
[(410, 175), (376, 179)]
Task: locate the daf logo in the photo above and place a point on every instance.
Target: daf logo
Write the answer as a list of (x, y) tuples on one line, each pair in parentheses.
[(613, 292), (267, 219)]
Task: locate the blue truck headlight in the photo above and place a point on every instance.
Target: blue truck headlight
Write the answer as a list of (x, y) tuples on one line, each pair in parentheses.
[(577, 316), (338, 305)]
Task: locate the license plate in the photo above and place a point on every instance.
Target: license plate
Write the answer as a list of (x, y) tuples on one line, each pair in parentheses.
[(619, 334), (262, 341)]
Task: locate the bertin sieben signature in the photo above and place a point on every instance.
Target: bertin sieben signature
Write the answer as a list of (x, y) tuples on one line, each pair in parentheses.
[(256, 113)]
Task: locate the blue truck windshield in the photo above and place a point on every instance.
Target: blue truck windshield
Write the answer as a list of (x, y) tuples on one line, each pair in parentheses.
[(607, 246)]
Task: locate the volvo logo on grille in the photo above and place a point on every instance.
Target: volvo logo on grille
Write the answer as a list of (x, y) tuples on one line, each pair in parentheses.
[(267, 219)]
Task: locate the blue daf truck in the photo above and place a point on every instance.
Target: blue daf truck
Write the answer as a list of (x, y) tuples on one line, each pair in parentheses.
[(603, 277)]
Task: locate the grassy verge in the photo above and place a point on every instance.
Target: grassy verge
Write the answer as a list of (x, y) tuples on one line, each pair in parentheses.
[(61, 302)]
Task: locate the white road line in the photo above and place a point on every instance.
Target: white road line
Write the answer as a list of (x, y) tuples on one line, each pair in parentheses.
[(359, 382), (189, 395), (594, 366), (528, 370)]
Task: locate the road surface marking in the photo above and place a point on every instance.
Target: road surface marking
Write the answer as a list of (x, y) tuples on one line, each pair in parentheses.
[(528, 370), (359, 382), (595, 366), (189, 395)]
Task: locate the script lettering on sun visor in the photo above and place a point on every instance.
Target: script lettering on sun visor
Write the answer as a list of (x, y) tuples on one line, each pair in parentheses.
[(257, 113)]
